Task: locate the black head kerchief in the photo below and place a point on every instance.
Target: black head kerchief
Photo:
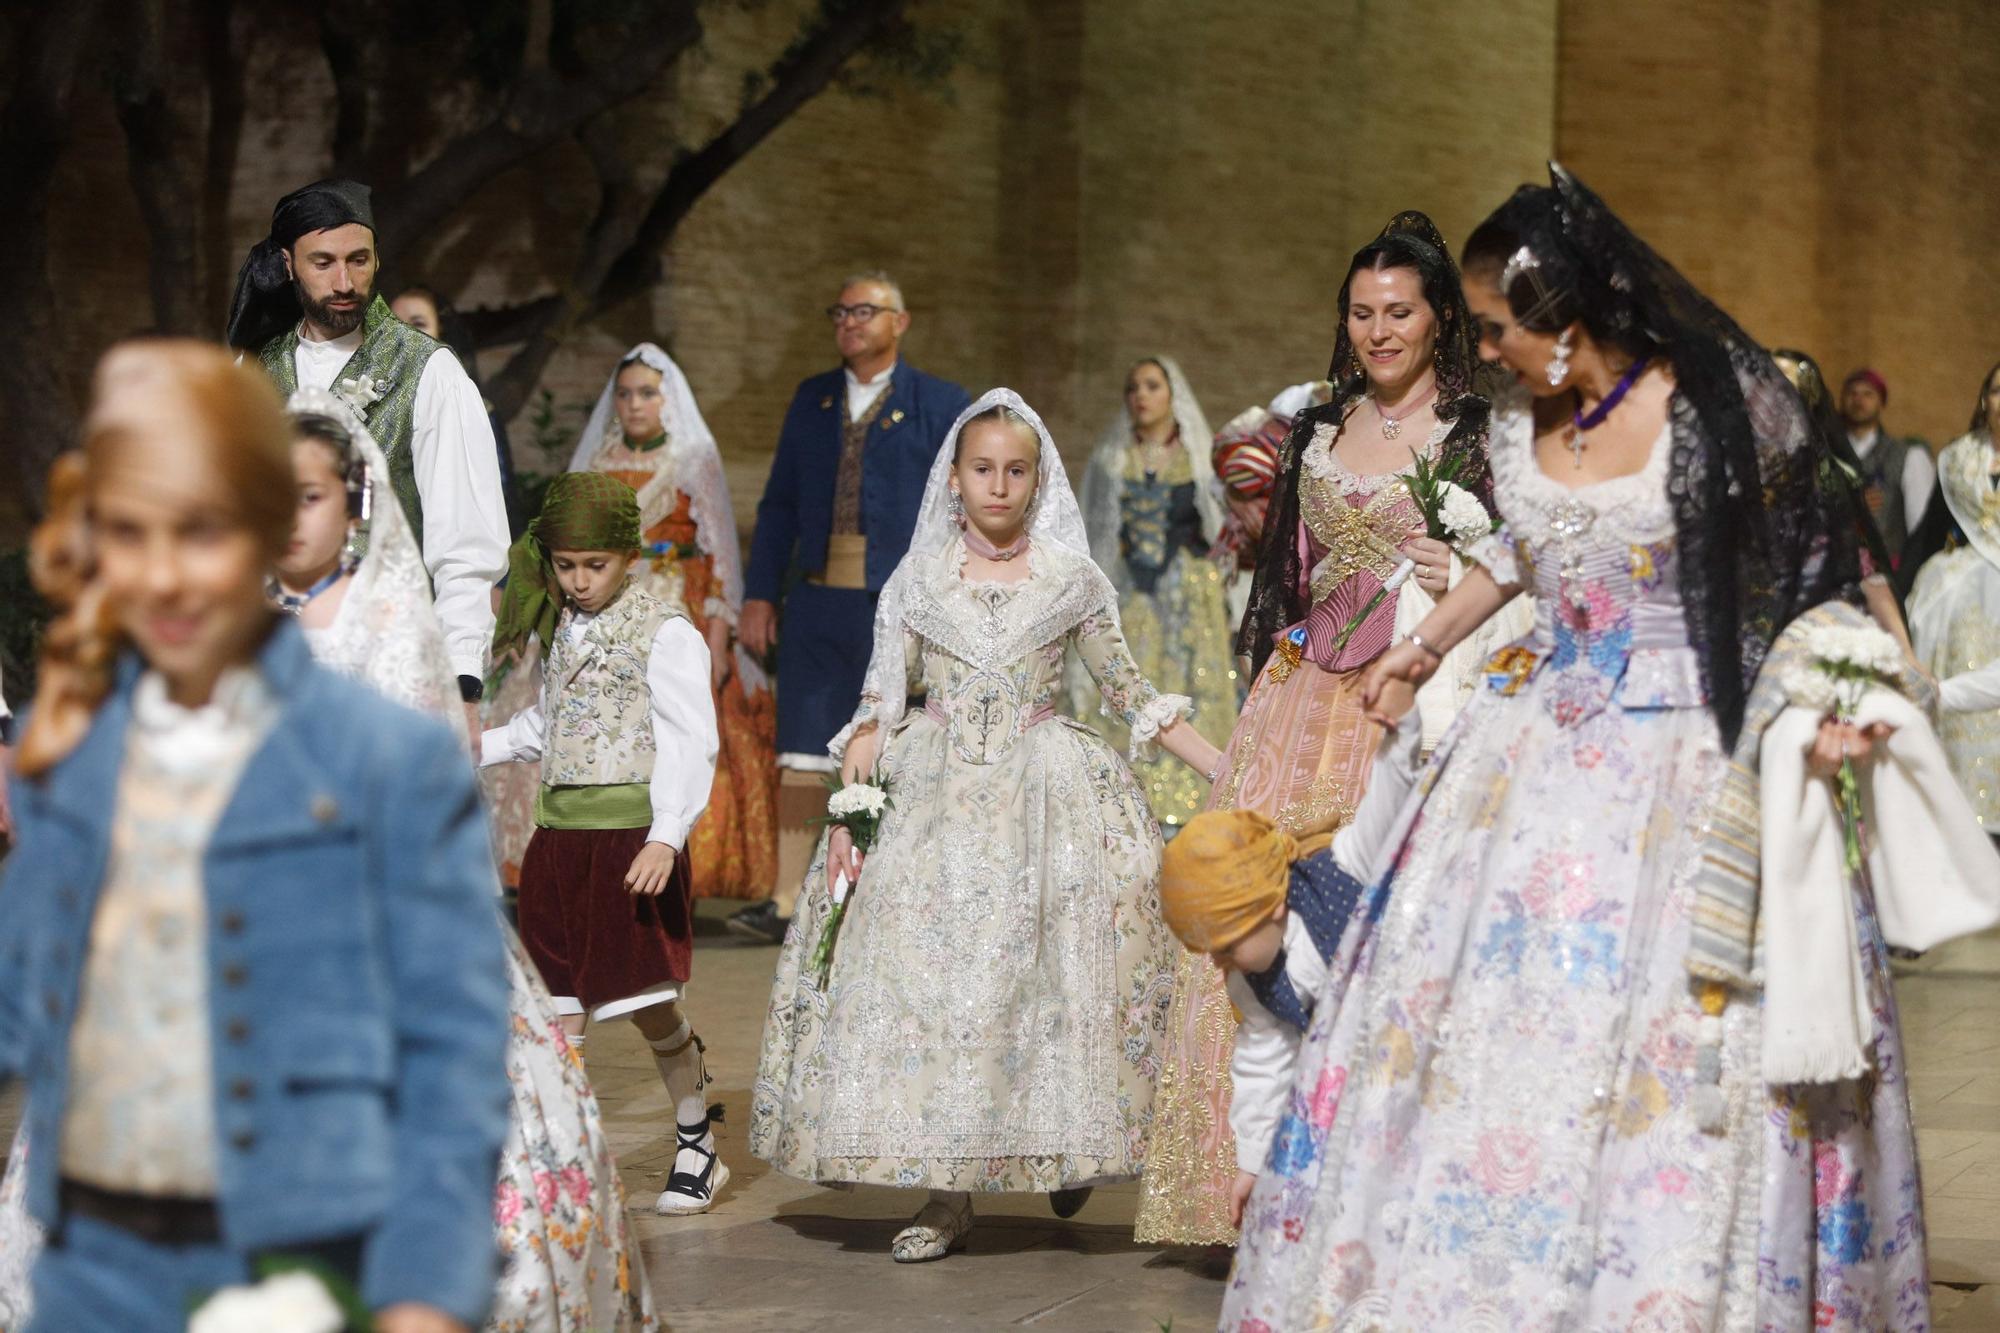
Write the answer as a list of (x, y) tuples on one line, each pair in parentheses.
[(265, 304)]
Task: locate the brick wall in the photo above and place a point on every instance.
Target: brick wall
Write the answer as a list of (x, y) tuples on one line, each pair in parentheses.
[(1111, 178), (1817, 166)]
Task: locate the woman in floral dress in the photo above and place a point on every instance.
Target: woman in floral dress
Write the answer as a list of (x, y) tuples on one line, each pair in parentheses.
[(999, 985), (1517, 1107), (1339, 521)]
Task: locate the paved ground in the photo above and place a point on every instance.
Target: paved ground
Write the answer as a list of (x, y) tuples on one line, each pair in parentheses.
[(775, 1254), (778, 1255)]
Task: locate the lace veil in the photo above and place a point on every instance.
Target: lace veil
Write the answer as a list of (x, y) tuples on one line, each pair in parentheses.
[(1757, 539), (1056, 522), (694, 467), (1102, 479), (386, 631)]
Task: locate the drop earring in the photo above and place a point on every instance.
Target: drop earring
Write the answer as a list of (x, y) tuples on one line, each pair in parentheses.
[(956, 508), (1559, 363)]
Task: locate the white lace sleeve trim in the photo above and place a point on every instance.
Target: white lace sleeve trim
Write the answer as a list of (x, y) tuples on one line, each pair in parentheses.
[(1155, 717), (1496, 552)]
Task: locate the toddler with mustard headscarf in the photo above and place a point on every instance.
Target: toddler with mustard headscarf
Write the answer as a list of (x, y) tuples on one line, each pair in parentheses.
[(1270, 909)]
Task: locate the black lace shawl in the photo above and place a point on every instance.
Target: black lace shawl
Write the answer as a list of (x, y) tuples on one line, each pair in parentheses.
[(1274, 593), (1409, 241)]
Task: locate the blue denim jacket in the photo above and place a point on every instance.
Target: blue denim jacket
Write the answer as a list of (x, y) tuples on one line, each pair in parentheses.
[(357, 986)]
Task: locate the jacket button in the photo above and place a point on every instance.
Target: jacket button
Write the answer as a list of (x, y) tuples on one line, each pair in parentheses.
[(232, 923), (52, 1003), (235, 974), (324, 808), (238, 1030), (242, 1089), (243, 1140)]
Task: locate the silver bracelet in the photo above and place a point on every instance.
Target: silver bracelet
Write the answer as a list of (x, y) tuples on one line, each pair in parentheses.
[(1418, 640)]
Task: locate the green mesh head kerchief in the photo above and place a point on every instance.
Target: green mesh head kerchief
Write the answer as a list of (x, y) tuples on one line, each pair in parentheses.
[(583, 511)]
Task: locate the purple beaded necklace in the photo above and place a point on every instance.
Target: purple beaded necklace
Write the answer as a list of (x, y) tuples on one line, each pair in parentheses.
[(1591, 420)]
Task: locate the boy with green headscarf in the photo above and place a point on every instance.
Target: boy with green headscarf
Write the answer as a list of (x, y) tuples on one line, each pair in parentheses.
[(626, 738)]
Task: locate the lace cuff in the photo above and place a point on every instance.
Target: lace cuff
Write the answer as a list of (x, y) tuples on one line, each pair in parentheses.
[(865, 716), (1496, 552), (715, 608), (1155, 717)]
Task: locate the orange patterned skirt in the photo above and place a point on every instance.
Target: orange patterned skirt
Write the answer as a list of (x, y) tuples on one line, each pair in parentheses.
[(733, 850), (1300, 754)]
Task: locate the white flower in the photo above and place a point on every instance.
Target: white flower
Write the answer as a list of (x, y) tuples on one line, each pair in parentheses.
[(1858, 647), (1464, 518), (361, 391), (1810, 688), (285, 1303), (857, 798)]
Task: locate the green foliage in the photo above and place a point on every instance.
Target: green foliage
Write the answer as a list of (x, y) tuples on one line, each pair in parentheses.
[(23, 614)]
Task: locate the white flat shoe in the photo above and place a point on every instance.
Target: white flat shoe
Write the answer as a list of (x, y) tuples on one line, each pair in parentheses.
[(936, 1230)]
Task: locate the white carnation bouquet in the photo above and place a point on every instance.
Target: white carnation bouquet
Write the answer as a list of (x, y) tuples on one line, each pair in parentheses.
[(1844, 662), (1452, 515), (859, 808), (294, 1296)]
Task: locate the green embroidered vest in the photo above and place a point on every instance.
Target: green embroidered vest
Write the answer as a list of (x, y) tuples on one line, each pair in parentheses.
[(384, 372)]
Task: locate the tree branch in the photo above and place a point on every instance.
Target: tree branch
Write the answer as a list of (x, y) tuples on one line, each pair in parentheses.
[(799, 76), (541, 109), (619, 207)]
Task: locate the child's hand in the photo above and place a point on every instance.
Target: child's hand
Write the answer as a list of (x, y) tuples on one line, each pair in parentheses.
[(841, 851), (1239, 1196), (1393, 698), (651, 869)]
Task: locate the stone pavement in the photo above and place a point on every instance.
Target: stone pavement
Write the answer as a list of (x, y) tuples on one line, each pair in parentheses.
[(775, 1254)]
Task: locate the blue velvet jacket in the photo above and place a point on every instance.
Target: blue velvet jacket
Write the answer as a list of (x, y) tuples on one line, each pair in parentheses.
[(795, 517), (357, 985)]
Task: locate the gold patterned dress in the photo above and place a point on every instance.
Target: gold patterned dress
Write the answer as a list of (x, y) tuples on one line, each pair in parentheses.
[(998, 992), (1955, 622), (1300, 754), (1175, 606)]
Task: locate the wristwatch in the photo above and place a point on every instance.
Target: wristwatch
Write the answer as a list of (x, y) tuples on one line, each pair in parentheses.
[(471, 689)]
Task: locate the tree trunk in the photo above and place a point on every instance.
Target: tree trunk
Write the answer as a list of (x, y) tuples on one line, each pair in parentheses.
[(38, 386)]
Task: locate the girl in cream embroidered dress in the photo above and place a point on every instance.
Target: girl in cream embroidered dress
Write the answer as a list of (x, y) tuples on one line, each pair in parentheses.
[(1955, 617), (998, 992), (1491, 1127)]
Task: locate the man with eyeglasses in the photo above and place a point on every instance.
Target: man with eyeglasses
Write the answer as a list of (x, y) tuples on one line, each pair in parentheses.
[(838, 510)]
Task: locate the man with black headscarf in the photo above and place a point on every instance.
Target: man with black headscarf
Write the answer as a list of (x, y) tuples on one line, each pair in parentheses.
[(306, 307)]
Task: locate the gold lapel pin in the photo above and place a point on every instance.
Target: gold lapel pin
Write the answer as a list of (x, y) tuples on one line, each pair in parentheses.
[(894, 417), (324, 808), (826, 403)]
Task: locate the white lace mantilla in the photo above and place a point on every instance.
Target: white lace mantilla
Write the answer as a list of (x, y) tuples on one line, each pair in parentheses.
[(1319, 459)]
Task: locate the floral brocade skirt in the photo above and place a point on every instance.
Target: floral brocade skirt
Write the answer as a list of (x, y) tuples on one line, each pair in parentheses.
[(1300, 754), (569, 1259), (1492, 1122)]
